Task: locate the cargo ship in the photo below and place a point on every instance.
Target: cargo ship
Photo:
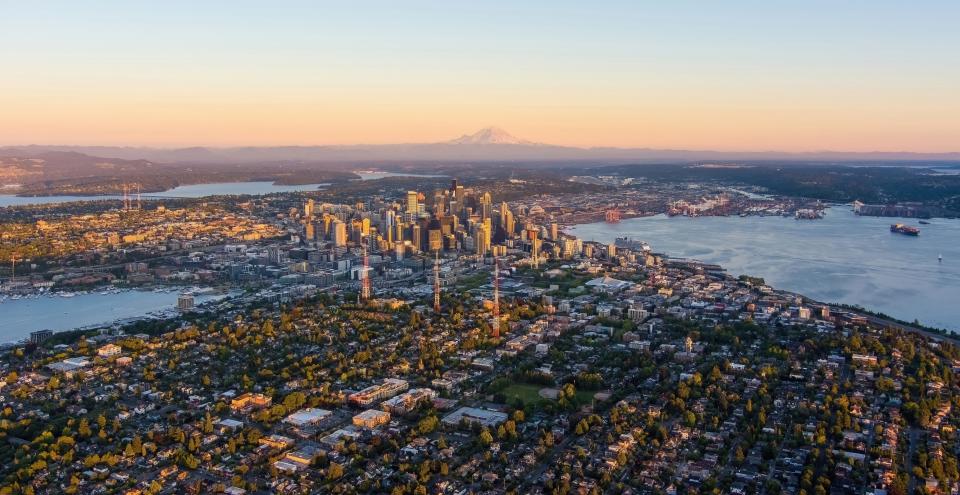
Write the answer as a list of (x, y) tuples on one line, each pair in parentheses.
[(900, 228)]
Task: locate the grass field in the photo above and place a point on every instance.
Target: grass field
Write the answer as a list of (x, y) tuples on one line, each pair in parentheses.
[(528, 393)]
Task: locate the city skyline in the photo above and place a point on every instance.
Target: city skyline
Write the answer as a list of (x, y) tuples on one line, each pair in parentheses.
[(741, 76)]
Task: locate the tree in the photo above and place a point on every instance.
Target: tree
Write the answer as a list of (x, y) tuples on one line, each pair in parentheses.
[(519, 416), (84, 429), (738, 456), (486, 438), (334, 471), (582, 428)]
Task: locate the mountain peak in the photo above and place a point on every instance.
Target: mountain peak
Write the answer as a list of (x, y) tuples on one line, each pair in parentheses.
[(489, 135)]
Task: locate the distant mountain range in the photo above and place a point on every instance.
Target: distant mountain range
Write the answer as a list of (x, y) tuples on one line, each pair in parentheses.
[(489, 144)]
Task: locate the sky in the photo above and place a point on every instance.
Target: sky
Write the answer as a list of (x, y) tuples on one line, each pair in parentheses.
[(724, 75)]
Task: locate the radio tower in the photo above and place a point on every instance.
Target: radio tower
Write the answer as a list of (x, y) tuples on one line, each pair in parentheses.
[(126, 197), (139, 205), (365, 288), (436, 282), (13, 267), (496, 299)]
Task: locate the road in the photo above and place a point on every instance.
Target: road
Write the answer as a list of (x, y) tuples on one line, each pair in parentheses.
[(884, 322)]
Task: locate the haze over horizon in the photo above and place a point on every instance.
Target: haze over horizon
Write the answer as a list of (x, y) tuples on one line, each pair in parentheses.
[(490, 135), (739, 76)]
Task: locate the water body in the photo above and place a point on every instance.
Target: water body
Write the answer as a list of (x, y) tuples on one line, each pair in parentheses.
[(199, 190), (382, 175), (842, 258), (233, 189), (20, 317), (192, 191), (955, 170)]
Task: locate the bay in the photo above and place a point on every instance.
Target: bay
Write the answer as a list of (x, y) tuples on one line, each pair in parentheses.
[(53, 312), (842, 258)]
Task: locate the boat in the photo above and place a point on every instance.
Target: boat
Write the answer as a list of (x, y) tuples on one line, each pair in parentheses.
[(631, 244), (808, 214), (940, 258), (924, 222), (900, 228)]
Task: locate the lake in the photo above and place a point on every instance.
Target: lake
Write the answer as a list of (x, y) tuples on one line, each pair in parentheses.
[(372, 175), (200, 190), (191, 191), (842, 258), (20, 317)]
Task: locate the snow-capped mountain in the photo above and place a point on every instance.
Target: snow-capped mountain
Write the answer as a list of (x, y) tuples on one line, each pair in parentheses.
[(489, 135)]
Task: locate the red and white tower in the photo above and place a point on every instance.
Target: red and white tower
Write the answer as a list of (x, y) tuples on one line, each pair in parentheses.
[(496, 299), (436, 283), (365, 287)]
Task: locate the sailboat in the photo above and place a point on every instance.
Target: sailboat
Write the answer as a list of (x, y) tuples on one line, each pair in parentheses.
[(940, 258)]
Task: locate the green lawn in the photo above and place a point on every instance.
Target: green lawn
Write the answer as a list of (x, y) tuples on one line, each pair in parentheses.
[(528, 393), (524, 391)]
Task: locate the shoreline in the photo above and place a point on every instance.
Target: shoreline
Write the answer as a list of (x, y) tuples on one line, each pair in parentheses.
[(155, 313), (762, 260)]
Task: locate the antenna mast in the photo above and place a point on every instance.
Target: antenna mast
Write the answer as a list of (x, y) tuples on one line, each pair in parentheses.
[(13, 267), (436, 282), (496, 298), (365, 288)]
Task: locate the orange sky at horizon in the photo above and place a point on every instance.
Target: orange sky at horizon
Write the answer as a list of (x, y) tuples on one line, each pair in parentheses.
[(722, 129), (741, 76)]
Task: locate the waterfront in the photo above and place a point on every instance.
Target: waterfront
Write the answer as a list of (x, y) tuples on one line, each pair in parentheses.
[(52, 312), (841, 258), (191, 191)]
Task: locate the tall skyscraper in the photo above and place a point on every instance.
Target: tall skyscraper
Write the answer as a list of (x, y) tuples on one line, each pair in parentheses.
[(412, 203), (416, 237), (486, 206), (339, 233), (438, 204), (389, 218), (481, 239), (460, 196)]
